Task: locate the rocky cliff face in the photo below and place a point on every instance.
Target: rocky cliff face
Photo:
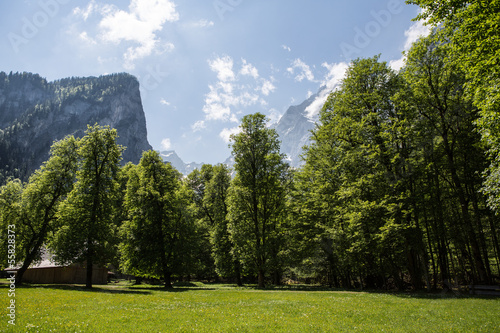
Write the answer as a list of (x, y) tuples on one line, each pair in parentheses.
[(34, 113), (294, 130)]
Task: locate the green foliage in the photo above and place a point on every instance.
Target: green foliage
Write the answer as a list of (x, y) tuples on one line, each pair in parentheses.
[(449, 144), (33, 209), (257, 198), (86, 215), (203, 214), (390, 195), (156, 238), (356, 179), (473, 30), (10, 214), (227, 263), (45, 191)]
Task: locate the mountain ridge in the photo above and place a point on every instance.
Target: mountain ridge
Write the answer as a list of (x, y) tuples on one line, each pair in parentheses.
[(34, 113)]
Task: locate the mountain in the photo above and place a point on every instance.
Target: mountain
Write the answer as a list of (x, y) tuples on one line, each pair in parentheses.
[(34, 113), (294, 128), (171, 157), (295, 125)]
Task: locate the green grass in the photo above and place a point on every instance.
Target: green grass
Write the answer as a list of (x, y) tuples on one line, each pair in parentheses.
[(222, 308)]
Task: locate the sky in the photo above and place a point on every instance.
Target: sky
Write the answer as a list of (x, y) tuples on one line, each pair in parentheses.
[(203, 65)]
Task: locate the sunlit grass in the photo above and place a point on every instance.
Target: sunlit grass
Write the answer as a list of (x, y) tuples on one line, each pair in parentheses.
[(223, 308)]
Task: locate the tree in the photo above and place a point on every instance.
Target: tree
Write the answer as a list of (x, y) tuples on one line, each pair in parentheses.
[(156, 238), (257, 197), (41, 198), (473, 31), (10, 215), (87, 230), (356, 183), (215, 199), (197, 181), (435, 90)]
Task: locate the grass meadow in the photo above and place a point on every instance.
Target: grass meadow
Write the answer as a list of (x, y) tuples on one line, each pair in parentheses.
[(225, 308)]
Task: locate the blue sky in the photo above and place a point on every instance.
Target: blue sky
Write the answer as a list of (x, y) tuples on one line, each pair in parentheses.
[(203, 65)]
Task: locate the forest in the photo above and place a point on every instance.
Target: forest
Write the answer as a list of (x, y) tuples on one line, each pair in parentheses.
[(399, 187)]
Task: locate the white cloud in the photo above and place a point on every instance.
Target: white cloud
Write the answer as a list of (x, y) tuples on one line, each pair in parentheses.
[(198, 126), (166, 144), (414, 32), (102, 60), (223, 66), (235, 89), (234, 119), (267, 87), (216, 111), (85, 13), (85, 37), (286, 48), (136, 28), (249, 69), (203, 23), (163, 101), (397, 64), (226, 133), (336, 73), (274, 117), (164, 47), (303, 69)]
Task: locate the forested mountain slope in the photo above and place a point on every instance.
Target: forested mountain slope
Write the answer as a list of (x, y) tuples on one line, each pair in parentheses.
[(35, 112)]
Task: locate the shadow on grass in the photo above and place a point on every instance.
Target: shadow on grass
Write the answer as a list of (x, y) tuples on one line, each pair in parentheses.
[(420, 294), (441, 295), (149, 289), (71, 287), (169, 290)]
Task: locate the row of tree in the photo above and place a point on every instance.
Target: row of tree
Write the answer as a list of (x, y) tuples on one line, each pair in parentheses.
[(399, 186), (81, 206)]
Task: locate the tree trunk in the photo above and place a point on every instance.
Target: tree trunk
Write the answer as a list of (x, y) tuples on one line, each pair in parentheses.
[(261, 279), (168, 280), (27, 262), (40, 238), (496, 246), (277, 278), (237, 269), (464, 208), (88, 283)]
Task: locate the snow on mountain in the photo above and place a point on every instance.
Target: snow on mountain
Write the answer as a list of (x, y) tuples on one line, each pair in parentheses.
[(171, 157)]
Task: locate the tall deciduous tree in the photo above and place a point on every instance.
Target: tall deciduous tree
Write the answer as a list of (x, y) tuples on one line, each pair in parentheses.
[(435, 89), (10, 215), (358, 181), (226, 262), (257, 197), (473, 30), (197, 181), (156, 237), (43, 194), (87, 215)]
